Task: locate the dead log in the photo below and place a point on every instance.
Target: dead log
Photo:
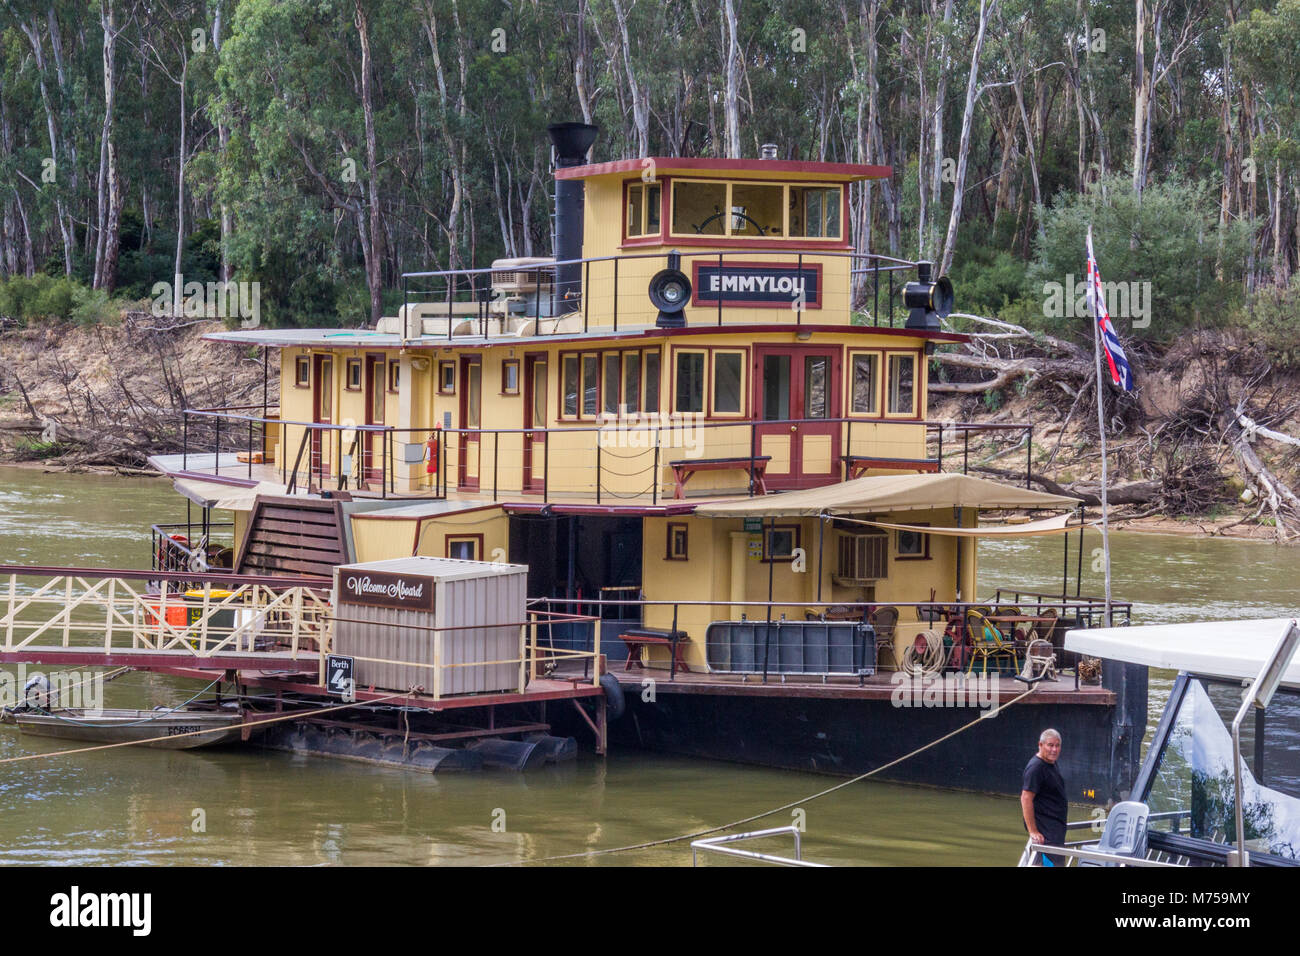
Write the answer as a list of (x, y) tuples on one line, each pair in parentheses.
[(1129, 493)]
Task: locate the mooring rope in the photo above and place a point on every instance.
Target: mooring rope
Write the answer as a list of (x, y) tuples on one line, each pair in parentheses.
[(296, 715), (767, 813)]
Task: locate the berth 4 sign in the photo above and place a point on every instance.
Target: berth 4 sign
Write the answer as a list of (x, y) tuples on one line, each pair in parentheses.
[(757, 284)]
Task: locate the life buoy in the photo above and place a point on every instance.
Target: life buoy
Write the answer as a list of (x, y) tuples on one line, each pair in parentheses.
[(431, 455)]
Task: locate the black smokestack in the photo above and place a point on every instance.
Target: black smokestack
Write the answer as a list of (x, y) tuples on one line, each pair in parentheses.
[(571, 141)]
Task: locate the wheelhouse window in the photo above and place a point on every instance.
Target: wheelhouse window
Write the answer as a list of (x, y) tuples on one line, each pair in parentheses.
[(864, 384), (302, 372), (643, 201), (446, 378), (394, 375), (815, 212), (749, 210), (689, 395), (902, 384), (353, 380)]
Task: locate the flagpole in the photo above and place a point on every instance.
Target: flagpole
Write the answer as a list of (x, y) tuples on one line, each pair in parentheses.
[(1101, 428)]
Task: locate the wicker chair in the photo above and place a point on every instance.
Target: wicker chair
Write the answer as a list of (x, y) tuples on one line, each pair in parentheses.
[(885, 621), (987, 641)]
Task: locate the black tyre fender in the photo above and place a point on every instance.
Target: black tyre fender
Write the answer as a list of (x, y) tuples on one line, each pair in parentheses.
[(615, 702)]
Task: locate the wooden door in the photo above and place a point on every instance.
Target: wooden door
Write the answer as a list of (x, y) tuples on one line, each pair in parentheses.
[(797, 398), (376, 385), (322, 412), (471, 419), (535, 393)]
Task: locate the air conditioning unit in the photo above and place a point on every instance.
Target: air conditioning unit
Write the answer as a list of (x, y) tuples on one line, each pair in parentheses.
[(523, 287), (864, 558)]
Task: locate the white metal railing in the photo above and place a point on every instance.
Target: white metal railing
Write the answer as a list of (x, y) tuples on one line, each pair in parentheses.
[(718, 845)]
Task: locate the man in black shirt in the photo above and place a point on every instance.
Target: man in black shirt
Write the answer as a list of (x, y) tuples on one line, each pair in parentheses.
[(1042, 796)]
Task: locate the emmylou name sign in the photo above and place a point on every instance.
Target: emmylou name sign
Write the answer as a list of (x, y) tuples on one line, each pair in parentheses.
[(379, 589)]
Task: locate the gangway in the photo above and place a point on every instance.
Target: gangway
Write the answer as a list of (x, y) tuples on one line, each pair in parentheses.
[(149, 619)]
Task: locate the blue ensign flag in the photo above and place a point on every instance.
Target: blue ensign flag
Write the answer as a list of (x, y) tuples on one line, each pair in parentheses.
[(1120, 373)]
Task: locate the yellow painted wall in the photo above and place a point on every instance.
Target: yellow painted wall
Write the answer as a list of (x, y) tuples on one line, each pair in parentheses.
[(708, 574), (627, 456)]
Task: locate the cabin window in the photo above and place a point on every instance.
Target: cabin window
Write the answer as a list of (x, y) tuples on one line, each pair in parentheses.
[(464, 547), (864, 386), (590, 386), (510, 377), (569, 405), (677, 537), (728, 376), (913, 544), (612, 380), (302, 372), (651, 383), (817, 386), (394, 375), (780, 542), (353, 375), (863, 558), (632, 383), (690, 382), (815, 212), (902, 384), (446, 378), (643, 200), (473, 394)]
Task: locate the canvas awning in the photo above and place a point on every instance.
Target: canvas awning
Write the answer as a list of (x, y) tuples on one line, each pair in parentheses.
[(215, 494), (887, 493), (1057, 524)]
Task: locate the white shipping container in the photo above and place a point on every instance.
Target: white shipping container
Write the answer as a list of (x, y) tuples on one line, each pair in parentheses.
[(386, 613)]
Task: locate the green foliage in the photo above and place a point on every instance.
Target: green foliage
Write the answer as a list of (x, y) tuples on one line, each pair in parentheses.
[(992, 399), (1270, 321), (35, 449), (1170, 239), (45, 299)]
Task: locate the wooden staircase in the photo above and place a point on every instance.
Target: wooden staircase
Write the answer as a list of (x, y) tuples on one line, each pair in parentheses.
[(294, 536)]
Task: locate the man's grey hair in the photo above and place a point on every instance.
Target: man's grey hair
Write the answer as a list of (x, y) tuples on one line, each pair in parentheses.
[(1048, 734)]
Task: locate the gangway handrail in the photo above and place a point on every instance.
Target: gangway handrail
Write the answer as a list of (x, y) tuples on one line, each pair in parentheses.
[(715, 845)]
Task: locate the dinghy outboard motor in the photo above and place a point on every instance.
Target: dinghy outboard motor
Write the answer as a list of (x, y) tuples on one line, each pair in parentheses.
[(37, 693)]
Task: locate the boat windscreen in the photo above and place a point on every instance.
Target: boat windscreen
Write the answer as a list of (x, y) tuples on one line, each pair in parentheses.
[(1192, 792)]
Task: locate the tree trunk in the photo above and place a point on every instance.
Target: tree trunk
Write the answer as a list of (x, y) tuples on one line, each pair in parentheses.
[(51, 124), (1141, 98), (731, 97), (105, 227), (178, 280), (963, 150), (373, 275), (223, 139)]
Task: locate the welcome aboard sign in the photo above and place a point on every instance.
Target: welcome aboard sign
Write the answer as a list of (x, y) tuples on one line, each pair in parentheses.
[(382, 589)]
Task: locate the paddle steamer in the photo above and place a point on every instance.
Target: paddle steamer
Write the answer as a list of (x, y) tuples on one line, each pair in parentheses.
[(701, 424)]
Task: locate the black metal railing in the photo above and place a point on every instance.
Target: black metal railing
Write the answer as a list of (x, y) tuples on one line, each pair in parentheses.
[(620, 459), (463, 297)]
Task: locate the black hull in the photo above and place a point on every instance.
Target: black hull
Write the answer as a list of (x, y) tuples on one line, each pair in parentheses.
[(849, 736)]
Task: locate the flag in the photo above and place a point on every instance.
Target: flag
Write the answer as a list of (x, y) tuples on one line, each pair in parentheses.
[(1120, 373)]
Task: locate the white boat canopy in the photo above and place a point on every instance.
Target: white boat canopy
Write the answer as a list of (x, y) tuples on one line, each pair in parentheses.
[(887, 493), (212, 494), (1230, 649)]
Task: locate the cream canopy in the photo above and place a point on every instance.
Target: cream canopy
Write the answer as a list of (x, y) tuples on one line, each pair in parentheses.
[(877, 493)]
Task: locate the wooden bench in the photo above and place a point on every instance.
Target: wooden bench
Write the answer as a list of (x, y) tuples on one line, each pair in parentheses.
[(684, 469), (855, 465), (638, 638)]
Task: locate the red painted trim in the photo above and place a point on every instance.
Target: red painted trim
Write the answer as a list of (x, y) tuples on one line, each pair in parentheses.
[(697, 264), (666, 164), (448, 538), (534, 507)]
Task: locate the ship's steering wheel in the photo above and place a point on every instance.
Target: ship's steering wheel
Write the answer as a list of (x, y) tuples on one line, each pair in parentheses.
[(718, 215)]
